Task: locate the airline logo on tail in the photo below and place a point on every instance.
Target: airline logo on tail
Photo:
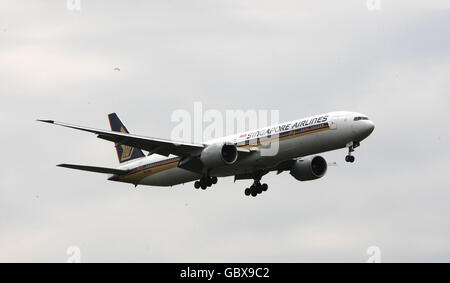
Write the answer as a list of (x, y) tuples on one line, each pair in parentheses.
[(124, 152), (127, 151)]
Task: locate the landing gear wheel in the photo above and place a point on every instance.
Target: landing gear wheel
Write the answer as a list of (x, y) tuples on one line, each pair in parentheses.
[(256, 189), (350, 158), (351, 148), (264, 187), (259, 189), (205, 182)]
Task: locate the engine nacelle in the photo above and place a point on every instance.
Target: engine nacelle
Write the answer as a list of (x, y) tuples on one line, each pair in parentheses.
[(309, 168), (217, 155)]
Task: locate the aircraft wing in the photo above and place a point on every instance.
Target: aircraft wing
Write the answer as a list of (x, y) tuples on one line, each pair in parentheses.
[(152, 145)]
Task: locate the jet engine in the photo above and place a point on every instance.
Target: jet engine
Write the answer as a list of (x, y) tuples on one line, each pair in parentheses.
[(309, 168), (217, 155)]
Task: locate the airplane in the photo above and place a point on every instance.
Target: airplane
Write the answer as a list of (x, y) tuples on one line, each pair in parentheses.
[(243, 155)]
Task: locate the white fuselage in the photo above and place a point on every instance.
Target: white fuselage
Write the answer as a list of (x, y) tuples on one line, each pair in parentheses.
[(298, 138)]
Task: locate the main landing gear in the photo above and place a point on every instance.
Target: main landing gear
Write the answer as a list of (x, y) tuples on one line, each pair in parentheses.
[(256, 189), (351, 147), (205, 182)]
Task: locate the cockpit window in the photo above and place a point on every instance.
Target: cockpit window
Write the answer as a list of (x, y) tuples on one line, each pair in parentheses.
[(360, 118)]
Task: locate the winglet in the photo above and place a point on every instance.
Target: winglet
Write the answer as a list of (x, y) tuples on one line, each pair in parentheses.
[(46, 121)]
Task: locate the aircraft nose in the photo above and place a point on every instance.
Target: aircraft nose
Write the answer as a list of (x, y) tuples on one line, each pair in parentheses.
[(369, 127), (362, 129)]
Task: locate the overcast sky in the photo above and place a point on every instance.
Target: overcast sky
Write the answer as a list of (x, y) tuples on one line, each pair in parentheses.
[(298, 57)]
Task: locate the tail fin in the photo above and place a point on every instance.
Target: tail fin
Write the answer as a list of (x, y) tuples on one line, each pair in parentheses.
[(124, 152)]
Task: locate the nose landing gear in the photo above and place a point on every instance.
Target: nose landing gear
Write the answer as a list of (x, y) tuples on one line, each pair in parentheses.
[(351, 148)]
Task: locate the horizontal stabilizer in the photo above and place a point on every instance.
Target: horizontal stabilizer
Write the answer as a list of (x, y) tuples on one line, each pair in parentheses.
[(95, 169)]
